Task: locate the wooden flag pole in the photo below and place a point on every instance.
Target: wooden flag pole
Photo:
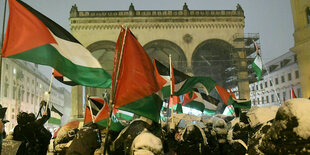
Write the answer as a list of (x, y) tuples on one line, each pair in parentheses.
[(90, 108), (2, 38), (3, 24), (113, 90), (171, 90), (49, 92)]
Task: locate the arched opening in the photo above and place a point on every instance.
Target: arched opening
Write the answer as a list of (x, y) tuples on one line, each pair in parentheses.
[(103, 51), (160, 50), (211, 58)]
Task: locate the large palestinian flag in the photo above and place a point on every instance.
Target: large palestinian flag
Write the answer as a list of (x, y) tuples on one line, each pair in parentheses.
[(195, 100), (137, 86), (33, 37), (183, 82)]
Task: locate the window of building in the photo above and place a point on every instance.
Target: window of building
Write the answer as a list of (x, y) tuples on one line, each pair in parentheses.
[(278, 95), (272, 98), (277, 81), (12, 116), (284, 95), (289, 76), (6, 87), (28, 96), (14, 92), (12, 109), (308, 15), (297, 74), (257, 100), (267, 99), (298, 92), (266, 84), (256, 87), (261, 85), (32, 97), (253, 102), (263, 100), (282, 79), (270, 83)]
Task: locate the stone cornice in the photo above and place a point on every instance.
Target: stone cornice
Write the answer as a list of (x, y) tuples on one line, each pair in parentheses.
[(154, 20), (158, 26), (159, 13)]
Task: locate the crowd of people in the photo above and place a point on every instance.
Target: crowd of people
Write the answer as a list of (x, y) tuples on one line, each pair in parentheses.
[(30, 131)]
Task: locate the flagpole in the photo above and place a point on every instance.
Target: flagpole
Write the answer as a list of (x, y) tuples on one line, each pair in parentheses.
[(171, 89), (49, 92), (90, 108), (2, 39), (3, 24), (263, 64), (113, 90)]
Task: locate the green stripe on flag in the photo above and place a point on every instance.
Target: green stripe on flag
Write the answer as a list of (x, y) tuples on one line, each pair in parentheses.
[(148, 107), (208, 112), (195, 105), (115, 124), (257, 67), (53, 120), (49, 55)]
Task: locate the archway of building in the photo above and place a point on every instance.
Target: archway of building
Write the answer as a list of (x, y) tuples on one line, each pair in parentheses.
[(103, 51), (211, 58), (160, 50)]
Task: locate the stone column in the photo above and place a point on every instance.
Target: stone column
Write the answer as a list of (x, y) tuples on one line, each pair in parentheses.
[(242, 70), (303, 57), (76, 103)]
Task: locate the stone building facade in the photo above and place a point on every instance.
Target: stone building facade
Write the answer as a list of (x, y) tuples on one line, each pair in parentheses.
[(201, 42), (23, 88), (275, 87), (301, 18)]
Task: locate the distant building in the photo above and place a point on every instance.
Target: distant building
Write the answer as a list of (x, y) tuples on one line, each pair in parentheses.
[(23, 88), (301, 18), (283, 75)]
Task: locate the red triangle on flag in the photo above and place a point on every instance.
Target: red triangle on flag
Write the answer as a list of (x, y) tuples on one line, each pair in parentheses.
[(188, 99), (223, 93), (87, 116)]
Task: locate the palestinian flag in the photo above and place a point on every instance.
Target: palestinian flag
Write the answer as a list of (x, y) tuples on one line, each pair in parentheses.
[(183, 82), (257, 64), (137, 86), (55, 116), (195, 100), (102, 117), (33, 37), (63, 79), (293, 93)]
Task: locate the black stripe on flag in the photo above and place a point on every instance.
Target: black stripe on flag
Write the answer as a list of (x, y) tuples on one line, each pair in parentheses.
[(165, 71), (56, 29)]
